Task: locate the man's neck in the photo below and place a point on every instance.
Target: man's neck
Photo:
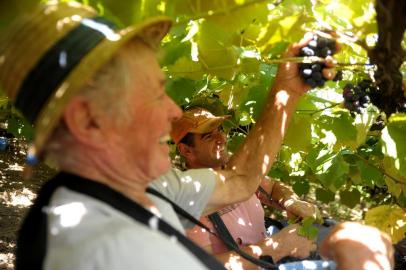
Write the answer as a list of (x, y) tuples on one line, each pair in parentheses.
[(112, 172)]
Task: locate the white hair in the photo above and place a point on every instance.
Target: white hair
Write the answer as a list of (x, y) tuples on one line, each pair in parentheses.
[(108, 88)]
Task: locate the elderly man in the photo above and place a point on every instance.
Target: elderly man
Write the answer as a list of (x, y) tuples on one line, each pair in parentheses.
[(202, 144), (95, 96)]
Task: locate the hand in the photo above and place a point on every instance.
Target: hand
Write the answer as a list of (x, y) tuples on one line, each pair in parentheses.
[(288, 77), (301, 209), (356, 246), (287, 242)]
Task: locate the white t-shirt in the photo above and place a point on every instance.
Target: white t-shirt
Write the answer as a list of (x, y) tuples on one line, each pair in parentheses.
[(85, 233)]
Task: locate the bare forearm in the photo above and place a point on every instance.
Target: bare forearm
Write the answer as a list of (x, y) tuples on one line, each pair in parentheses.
[(256, 156), (282, 193)]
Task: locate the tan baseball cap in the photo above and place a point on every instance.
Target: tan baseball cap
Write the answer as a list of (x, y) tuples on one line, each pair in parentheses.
[(196, 120)]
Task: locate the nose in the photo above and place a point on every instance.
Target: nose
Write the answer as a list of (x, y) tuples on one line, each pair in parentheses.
[(220, 137), (175, 112)]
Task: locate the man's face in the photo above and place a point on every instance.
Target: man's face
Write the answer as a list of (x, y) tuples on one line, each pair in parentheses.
[(150, 112), (209, 150)]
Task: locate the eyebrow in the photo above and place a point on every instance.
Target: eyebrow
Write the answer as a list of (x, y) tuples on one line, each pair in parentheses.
[(205, 135)]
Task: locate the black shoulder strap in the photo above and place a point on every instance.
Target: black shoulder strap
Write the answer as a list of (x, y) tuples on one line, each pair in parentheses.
[(180, 211), (229, 241), (222, 231), (115, 200)]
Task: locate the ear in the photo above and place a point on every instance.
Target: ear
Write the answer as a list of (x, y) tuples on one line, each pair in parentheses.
[(185, 150), (81, 120)]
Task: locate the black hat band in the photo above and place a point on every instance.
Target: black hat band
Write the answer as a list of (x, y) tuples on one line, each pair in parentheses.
[(58, 62)]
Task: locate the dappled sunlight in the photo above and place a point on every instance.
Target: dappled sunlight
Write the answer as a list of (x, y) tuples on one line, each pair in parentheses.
[(234, 262), (265, 164), (256, 250), (197, 185), (15, 167), (289, 202), (241, 222), (309, 265), (186, 179), (102, 28), (6, 260), (17, 198), (153, 223), (271, 243), (154, 210), (70, 215), (221, 176)]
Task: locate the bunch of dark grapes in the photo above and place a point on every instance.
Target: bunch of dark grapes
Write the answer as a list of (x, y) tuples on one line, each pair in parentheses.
[(379, 124), (356, 98), (312, 72)]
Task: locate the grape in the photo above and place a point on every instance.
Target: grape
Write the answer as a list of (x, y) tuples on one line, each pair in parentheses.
[(338, 76), (378, 125), (312, 73), (356, 97), (307, 73)]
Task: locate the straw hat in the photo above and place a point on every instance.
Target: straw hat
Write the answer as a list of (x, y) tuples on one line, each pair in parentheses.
[(196, 120), (48, 55)]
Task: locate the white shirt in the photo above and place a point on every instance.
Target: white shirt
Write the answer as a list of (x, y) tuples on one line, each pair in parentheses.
[(85, 233)]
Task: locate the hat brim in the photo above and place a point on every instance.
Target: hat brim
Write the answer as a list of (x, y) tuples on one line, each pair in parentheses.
[(209, 124), (150, 31), (205, 126)]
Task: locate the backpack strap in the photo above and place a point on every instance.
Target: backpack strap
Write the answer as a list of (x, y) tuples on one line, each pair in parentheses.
[(222, 231)]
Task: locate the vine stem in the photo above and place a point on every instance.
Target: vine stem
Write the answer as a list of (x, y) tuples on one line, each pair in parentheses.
[(380, 169), (268, 61), (308, 59), (236, 126), (313, 112), (225, 11)]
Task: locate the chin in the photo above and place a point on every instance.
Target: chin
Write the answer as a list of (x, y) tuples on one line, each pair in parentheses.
[(160, 169)]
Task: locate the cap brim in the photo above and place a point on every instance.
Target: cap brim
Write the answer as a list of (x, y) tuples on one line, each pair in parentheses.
[(150, 31), (209, 124)]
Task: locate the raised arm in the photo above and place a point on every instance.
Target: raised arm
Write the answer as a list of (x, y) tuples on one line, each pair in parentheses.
[(250, 164)]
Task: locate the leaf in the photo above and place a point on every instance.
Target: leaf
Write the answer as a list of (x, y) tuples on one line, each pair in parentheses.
[(216, 52), (341, 125), (393, 187), (20, 128), (235, 141), (301, 187), (307, 228), (175, 50), (186, 68), (388, 218), (232, 95), (299, 141), (324, 195), (330, 168), (370, 175), (363, 123), (394, 143), (181, 90), (350, 198)]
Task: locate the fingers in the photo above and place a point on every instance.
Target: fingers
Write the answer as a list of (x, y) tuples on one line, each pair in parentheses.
[(295, 48), (329, 73)]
